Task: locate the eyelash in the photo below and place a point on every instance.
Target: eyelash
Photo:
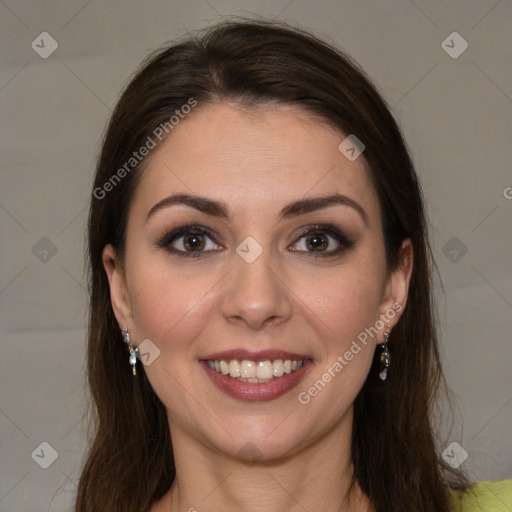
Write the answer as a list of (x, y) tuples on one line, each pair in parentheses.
[(343, 240), (177, 233)]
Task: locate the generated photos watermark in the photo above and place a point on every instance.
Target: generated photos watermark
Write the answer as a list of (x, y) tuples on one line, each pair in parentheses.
[(158, 135), (305, 397)]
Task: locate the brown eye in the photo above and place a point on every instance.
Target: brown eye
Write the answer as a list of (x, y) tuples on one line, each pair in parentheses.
[(322, 241), (190, 241), (317, 242), (194, 242)]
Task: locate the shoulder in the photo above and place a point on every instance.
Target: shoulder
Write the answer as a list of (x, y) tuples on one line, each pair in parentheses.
[(483, 497)]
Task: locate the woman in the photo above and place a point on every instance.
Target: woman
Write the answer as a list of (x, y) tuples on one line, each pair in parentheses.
[(261, 329)]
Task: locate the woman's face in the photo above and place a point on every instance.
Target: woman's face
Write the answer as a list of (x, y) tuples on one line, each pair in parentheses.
[(272, 284)]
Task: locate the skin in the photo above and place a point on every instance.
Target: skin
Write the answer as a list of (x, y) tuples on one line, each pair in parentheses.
[(256, 161)]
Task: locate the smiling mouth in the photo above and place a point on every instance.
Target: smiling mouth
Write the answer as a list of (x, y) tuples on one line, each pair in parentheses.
[(255, 372)]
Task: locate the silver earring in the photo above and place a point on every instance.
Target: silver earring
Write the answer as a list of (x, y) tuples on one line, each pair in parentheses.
[(385, 357), (133, 357)]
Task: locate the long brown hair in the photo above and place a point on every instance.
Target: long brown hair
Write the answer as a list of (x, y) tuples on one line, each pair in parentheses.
[(129, 465)]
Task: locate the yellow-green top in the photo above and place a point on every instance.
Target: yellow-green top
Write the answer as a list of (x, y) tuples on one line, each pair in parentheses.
[(484, 497)]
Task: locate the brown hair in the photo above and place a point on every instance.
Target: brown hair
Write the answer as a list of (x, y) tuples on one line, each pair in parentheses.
[(129, 465)]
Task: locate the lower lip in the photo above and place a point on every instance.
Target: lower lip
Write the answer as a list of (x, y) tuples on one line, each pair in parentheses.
[(257, 392)]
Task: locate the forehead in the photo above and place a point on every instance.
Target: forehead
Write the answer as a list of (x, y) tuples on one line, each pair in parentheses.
[(253, 158)]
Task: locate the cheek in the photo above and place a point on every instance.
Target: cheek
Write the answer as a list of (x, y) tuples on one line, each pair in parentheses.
[(170, 307), (344, 310), (345, 302), (344, 313)]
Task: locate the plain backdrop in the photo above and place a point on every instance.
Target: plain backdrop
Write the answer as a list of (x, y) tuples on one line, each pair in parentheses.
[(454, 106)]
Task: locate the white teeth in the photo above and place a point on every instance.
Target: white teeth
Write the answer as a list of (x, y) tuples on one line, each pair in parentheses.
[(278, 368), (255, 372), (264, 370), (248, 369), (224, 367), (234, 368)]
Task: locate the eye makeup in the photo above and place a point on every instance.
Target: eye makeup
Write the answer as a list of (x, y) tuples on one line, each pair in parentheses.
[(199, 241)]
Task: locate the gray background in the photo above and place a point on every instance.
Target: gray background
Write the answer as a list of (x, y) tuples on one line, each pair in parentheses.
[(456, 114)]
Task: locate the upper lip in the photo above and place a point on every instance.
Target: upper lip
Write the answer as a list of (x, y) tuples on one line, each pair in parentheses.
[(261, 355)]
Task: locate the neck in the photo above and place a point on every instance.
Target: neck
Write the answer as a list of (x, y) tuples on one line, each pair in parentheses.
[(316, 478)]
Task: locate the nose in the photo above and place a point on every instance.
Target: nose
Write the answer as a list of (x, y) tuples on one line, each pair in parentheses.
[(255, 294)]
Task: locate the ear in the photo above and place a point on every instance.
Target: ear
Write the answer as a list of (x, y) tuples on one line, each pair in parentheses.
[(119, 296), (397, 288)]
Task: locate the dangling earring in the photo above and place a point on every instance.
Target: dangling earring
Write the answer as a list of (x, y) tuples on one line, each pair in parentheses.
[(385, 357), (133, 357)]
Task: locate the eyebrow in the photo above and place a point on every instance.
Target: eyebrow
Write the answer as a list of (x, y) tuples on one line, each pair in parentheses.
[(220, 209)]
